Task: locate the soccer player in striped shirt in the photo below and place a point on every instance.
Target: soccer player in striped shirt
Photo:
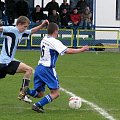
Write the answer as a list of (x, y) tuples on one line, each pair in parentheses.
[(45, 73), (12, 37)]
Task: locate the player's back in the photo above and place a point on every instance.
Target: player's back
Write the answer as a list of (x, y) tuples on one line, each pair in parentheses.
[(49, 53)]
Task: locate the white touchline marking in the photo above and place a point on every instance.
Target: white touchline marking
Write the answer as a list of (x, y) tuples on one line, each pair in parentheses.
[(94, 106)]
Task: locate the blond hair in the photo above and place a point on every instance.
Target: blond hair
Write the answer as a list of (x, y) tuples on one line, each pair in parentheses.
[(22, 20)]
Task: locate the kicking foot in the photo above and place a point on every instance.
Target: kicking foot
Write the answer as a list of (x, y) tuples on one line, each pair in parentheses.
[(23, 95), (27, 99), (38, 109)]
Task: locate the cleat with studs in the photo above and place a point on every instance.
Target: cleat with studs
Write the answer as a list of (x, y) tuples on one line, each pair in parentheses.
[(23, 95), (38, 109)]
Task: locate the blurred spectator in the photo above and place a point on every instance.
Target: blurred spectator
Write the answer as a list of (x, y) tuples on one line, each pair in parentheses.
[(64, 5), (10, 11), (75, 17), (54, 17), (86, 17), (90, 4), (73, 4), (52, 6), (2, 8), (64, 18), (37, 15), (81, 5), (22, 8)]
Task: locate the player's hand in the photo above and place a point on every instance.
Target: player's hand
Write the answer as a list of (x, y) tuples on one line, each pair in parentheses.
[(86, 47), (45, 22)]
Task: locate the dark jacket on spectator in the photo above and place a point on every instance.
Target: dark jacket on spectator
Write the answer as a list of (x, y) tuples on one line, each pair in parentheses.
[(10, 11), (64, 6), (64, 18), (38, 16), (54, 17), (22, 8), (52, 6), (2, 8), (81, 5)]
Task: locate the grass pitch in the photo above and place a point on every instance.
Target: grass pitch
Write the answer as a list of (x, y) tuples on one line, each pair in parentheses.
[(94, 77)]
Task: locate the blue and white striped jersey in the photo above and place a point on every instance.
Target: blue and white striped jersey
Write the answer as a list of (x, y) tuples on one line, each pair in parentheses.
[(50, 49), (12, 37)]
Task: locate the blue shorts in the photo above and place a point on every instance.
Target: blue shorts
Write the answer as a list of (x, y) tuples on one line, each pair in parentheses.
[(45, 76)]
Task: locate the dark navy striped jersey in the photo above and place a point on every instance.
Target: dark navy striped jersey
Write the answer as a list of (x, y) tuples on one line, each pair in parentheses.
[(12, 37)]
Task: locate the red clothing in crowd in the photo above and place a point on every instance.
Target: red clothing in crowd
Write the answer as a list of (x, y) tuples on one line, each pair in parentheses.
[(75, 17)]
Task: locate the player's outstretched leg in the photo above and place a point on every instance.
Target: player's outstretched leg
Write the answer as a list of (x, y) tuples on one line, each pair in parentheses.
[(27, 70)]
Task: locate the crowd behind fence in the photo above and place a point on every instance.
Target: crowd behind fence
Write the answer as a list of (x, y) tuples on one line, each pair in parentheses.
[(64, 15)]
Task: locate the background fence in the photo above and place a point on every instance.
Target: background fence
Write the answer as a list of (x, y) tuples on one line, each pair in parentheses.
[(76, 38)]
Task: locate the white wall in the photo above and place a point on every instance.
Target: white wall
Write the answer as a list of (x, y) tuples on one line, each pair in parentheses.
[(106, 13), (106, 16)]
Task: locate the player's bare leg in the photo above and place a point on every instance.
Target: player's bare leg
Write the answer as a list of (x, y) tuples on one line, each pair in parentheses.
[(27, 70), (54, 94)]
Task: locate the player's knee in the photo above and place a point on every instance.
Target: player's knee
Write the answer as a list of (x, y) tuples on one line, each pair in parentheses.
[(57, 95), (30, 70)]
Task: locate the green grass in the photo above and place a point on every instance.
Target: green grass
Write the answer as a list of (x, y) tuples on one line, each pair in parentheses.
[(94, 77)]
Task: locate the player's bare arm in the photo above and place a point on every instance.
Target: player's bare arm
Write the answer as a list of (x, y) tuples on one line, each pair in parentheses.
[(35, 29), (73, 51), (1, 29)]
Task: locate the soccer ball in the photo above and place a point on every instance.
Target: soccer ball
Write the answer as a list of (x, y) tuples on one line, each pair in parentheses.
[(75, 102)]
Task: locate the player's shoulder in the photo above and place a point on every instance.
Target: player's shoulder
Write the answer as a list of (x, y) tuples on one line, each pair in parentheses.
[(9, 29), (50, 39)]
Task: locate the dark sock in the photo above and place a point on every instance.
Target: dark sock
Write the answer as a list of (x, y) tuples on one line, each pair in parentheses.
[(25, 83)]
